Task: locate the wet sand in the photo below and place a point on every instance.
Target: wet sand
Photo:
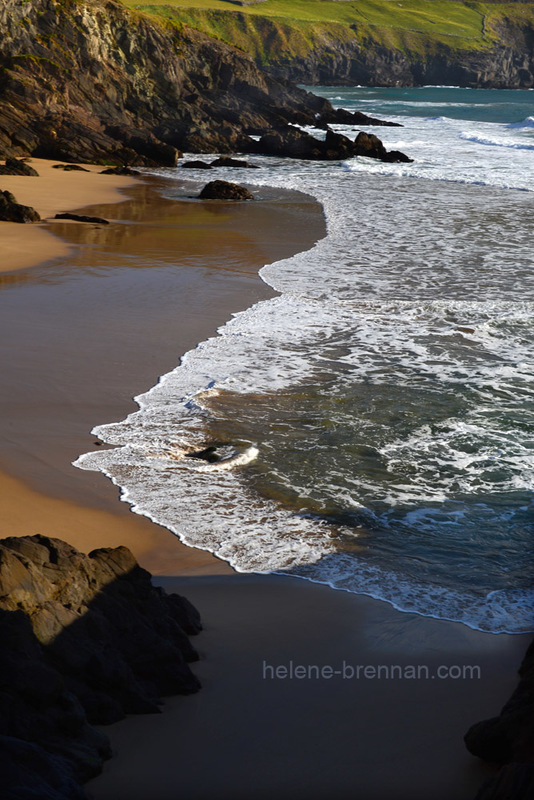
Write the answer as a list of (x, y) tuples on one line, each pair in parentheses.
[(53, 192), (248, 736), (79, 337)]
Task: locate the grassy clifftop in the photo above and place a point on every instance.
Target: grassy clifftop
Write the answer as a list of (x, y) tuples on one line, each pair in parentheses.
[(287, 35)]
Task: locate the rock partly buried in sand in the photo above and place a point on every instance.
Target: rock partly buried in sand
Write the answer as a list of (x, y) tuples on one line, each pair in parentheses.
[(83, 218), (196, 164), (223, 190), (70, 168), (226, 161), (120, 171), (85, 639), (14, 166), (11, 211)]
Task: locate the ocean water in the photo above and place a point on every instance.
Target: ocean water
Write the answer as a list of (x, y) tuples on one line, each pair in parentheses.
[(372, 427)]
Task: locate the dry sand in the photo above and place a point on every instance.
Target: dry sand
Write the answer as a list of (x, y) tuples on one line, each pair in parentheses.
[(79, 336), (53, 192)]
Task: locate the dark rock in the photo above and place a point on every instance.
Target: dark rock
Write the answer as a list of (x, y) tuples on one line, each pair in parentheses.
[(120, 171), (291, 142), (223, 190), (85, 639), (340, 116), (14, 166), (196, 165), (83, 218), (508, 740), (11, 211), (70, 167), (29, 772), (396, 157), (225, 161), (145, 144), (514, 782), (296, 143)]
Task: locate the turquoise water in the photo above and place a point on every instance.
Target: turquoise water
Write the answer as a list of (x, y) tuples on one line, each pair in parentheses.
[(376, 420), (482, 105)]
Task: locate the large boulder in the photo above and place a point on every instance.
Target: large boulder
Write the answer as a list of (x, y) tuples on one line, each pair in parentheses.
[(85, 640), (11, 211), (224, 190)]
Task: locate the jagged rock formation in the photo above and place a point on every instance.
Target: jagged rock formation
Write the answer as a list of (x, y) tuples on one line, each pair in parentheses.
[(296, 143), (84, 640), (508, 740), (92, 81)]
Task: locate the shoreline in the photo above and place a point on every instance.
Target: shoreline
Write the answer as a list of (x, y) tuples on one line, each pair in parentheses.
[(170, 287), (405, 739)]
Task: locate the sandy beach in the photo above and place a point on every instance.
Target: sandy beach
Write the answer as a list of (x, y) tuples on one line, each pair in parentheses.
[(92, 316)]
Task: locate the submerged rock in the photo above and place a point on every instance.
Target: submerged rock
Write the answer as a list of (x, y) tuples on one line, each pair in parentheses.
[(226, 161), (223, 190), (11, 211), (196, 165), (82, 218)]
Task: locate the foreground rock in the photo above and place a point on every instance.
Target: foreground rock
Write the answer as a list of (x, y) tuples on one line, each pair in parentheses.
[(296, 143), (508, 740), (11, 211), (223, 190), (85, 639), (15, 166), (125, 89)]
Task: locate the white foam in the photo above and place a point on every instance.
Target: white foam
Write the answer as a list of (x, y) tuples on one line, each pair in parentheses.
[(361, 302)]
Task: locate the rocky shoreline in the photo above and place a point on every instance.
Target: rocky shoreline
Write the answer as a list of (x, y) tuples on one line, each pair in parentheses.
[(94, 82), (86, 639)]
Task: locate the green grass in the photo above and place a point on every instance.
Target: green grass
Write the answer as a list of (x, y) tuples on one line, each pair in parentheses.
[(278, 30)]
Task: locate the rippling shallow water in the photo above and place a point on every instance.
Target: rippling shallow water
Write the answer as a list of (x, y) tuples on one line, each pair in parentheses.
[(373, 426)]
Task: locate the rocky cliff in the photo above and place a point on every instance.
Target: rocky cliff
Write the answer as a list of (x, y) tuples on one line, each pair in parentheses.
[(93, 81), (496, 50), (85, 639)]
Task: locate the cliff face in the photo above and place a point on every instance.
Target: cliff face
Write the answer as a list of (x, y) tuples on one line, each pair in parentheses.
[(497, 53), (92, 81)]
